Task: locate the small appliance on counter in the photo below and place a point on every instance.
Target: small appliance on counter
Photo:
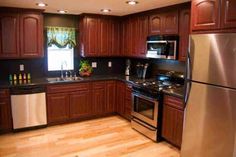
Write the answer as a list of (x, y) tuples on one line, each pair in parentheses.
[(127, 69), (141, 70)]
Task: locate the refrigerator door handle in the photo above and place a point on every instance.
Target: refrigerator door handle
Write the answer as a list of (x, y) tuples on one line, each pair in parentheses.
[(187, 91), (188, 79)]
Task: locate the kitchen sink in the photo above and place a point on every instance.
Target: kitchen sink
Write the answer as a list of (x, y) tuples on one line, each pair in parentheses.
[(67, 79)]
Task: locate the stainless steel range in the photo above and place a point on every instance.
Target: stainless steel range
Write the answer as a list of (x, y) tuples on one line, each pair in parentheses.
[(147, 106)]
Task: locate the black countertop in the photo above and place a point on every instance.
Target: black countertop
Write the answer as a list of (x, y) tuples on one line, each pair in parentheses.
[(178, 92)]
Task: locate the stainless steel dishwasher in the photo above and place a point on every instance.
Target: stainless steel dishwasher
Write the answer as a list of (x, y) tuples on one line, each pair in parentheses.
[(28, 104)]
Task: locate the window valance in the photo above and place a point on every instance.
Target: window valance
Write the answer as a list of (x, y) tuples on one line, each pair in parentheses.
[(61, 36)]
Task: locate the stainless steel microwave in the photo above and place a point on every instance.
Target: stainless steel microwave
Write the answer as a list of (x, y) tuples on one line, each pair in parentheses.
[(162, 46)]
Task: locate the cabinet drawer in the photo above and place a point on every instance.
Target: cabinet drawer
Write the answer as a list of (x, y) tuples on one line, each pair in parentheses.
[(174, 102), (67, 87), (4, 93)]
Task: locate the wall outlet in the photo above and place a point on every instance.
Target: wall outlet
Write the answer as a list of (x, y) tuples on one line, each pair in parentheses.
[(22, 67), (109, 64), (94, 64)]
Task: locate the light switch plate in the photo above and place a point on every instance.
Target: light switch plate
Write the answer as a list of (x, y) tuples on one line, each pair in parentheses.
[(22, 67), (94, 64), (109, 64)]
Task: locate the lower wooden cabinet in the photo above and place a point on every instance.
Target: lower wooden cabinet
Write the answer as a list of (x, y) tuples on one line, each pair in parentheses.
[(172, 122), (5, 115), (99, 97), (58, 107), (124, 99), (111, 96), (120, 89), (80, 104)]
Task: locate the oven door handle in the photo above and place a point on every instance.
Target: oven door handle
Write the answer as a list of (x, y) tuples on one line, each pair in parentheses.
[(143, 97)]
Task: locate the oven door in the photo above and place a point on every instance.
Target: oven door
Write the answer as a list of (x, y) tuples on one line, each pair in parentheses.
[(145, 109)]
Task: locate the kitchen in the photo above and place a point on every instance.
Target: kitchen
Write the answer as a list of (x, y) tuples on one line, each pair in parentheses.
[(134, 78)]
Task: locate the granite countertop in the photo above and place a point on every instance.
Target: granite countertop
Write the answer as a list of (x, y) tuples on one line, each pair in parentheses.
[(178, 92)]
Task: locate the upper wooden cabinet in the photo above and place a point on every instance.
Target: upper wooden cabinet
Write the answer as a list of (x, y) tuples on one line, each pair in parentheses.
[(228, 14), (211, 15), (155, 24), (21, 34), (9, 37), (170, 23), (164, 23), (99, 36), (31, 35), (184, 30)]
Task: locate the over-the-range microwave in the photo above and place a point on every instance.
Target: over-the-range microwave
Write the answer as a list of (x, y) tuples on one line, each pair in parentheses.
[(162, 46)]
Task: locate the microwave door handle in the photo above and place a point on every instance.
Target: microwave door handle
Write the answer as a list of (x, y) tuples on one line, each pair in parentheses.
[(167, 49)]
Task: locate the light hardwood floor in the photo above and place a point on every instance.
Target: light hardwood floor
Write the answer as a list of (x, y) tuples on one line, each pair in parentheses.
[(104, 137)]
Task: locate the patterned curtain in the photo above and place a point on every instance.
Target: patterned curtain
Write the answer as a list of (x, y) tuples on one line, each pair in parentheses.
[(61, 37)]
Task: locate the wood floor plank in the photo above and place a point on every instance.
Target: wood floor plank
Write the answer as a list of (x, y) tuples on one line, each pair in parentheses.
[(103, 137)]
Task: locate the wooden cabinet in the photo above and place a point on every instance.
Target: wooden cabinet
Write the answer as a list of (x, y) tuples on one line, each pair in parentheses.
[(205, 14), (155, 24), (80, 104), (21, 34), (5, 111), (228, 13), (110, 96), (58, 107), (213, 15), (128, 101), (31, 35), (68, 102), (172, 120), (9, 35), (99, 97), (99, 36), (184, 30), (163, 23), (170, 22), (120, 95), (142, 36)]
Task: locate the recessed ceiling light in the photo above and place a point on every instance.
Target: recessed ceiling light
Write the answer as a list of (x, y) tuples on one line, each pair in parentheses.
[(132, 2), (106, 10), (62, 11), (41, 4)]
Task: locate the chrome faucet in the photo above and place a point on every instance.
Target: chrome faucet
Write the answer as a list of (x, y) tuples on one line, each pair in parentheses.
[(62, 63)]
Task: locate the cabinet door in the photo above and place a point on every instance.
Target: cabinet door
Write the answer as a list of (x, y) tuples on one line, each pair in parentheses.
[(92, 37), (184, 29), (155, 24), (58, 107), (172, 125), (205, 15), (80, 104), (128, 101), (120, 95), (143, 33), (110, 96), (99, 97), (31, 33), (115, 38), (105, 30), (9, 35), (5, 115), (228, 13), (170, 23), (130, 38)]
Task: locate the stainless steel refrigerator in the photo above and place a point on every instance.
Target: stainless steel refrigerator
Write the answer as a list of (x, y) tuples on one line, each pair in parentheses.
[(210, 112)]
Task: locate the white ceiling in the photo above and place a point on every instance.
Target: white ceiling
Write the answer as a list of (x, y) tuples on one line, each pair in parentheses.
[(118, 7)]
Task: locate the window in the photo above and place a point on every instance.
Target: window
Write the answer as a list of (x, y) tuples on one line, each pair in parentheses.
[(61, 43), (60, 58)]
